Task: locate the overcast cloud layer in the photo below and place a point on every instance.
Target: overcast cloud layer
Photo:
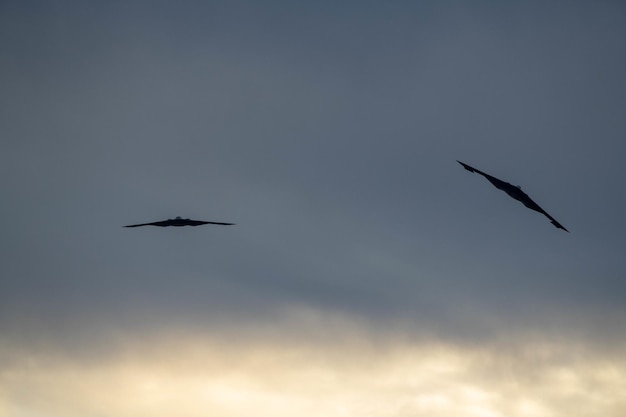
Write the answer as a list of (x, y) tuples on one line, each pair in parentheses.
[(329, 133)]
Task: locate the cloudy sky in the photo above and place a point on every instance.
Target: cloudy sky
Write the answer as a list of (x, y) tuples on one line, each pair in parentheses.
[(368, 273)]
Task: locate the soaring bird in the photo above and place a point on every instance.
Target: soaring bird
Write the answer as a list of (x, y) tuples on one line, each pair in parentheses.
[(178, 222), (514, 192)]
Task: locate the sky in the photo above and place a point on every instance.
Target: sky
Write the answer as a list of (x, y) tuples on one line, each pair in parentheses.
[(368, 273)]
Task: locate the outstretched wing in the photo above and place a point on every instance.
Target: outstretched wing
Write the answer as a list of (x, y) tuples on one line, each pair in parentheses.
[(528, 202), (163, 223), (496, 182), (200, 222), (470, 169), (556, 224)]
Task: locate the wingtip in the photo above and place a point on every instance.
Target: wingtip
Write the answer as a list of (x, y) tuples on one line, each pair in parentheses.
[(559, 225), (467, 167)]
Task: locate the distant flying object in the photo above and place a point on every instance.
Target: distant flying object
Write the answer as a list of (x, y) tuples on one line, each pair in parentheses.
[(514, 192), (178, 222)]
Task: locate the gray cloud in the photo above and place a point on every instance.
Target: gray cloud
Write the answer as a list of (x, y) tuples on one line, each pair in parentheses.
[(329, 134)]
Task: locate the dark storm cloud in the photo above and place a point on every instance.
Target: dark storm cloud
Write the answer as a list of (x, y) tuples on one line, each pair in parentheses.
[(329, 134)]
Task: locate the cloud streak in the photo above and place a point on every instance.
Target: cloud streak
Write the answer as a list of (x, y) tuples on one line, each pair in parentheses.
[(343, 370)]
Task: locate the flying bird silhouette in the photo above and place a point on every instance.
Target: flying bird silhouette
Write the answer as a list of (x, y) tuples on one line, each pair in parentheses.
[(514, 192), (178, 222)]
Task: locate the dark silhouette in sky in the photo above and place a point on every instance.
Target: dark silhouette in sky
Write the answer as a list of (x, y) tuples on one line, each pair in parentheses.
[(178, 222), (514, 192)]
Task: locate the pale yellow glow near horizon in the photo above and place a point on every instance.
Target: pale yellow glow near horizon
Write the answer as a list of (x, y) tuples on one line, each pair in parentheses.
[(194, 376)]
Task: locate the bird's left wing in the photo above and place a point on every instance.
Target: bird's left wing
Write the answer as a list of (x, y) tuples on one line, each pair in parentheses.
[(200, 222), (554, 222), (528, 202)]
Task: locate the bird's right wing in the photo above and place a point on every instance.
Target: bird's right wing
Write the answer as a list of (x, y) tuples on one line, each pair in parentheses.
[(498, 183), (467, 167), (472, 169), (162, 224)]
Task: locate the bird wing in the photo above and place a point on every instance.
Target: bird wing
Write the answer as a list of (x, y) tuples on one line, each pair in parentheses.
[(556, 224), (528, 202), (498, 183), (200, 222), (161, 224), (469, 168)]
